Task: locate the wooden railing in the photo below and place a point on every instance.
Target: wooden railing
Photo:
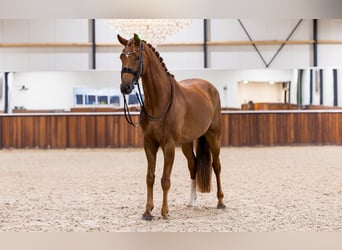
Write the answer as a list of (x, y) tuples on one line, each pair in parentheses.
[(282, 128), (67, 131), (284, 106), (100, 130)]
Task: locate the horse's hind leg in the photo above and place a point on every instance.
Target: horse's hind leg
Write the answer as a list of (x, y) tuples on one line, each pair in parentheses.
[(217, 170), (190, 156), (214, 141)]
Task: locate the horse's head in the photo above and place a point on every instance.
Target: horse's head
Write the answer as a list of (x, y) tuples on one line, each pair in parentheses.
[(132, 58)]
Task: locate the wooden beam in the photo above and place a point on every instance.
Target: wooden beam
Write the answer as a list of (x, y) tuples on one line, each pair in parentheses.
[(164, 44), (38, 45), (223, 43), (209, 43), (329, 41), (261, 42)]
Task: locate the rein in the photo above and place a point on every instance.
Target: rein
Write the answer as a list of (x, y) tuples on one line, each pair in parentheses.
[(137, 74)]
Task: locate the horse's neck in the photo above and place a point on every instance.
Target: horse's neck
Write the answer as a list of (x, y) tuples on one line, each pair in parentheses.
[(157, 87)]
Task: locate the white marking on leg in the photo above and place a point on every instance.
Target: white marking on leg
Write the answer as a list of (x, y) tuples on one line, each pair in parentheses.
[(193, 195)]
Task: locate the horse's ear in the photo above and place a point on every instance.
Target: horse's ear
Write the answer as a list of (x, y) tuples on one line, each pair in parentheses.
[(137, 38), (122, 40)]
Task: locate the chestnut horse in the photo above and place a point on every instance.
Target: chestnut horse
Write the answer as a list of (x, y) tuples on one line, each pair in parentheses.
[(186, 113)]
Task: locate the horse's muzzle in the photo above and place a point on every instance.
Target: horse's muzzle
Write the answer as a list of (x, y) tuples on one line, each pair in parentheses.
[(126, 89)]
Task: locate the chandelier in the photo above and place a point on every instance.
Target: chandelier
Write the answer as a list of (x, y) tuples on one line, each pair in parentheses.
[(154, 31)]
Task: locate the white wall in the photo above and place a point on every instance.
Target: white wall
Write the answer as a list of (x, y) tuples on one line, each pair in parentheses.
[(176, 57), (54, 90), (291, 56), (51, 73), (230, 79), (328, 88), (44, 58), (330, 55)]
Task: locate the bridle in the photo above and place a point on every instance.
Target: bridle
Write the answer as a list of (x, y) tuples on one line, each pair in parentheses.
[(137, 74)]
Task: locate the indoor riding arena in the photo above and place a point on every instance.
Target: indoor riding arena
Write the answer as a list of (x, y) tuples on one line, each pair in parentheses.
[(72, 146)]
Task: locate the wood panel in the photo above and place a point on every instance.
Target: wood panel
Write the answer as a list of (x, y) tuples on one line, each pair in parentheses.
[(239, 128), (242, 129), (101, 131), (282, 128), (81, 131), (57, 131), (33, 131), (40, 132)]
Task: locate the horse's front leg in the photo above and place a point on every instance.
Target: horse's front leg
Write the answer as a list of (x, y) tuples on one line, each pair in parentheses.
[(169, 155), (151, 153)]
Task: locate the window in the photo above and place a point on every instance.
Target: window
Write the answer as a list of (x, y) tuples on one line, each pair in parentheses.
[(102, 99), (133, 99), (115, 99), (79, 99), (90, 99), (107, 97)]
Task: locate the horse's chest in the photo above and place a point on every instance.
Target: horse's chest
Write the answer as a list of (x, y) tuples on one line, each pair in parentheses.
[(155, 130)]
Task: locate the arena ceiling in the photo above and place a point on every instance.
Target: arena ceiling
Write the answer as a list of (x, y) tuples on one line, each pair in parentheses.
[(33, 9)]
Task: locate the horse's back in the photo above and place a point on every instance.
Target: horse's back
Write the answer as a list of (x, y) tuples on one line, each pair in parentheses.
[(202, 88), (195, 82)]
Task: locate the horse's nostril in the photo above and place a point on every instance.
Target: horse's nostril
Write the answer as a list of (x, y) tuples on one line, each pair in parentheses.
[(126, 89)]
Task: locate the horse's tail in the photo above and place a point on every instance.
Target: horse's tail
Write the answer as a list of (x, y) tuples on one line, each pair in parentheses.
[(203, 165)]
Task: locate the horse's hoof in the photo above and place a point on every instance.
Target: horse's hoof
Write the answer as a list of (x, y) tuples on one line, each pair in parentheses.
[(147, 217), (165, 214), (221, 206)]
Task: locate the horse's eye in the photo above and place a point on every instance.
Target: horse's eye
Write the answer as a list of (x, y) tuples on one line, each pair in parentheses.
[(138, 57)]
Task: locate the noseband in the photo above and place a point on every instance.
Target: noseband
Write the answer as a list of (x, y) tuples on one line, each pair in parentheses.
[(137, 74)]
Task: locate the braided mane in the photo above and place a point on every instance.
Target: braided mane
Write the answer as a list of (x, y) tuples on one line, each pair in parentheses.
[(160, 58)]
